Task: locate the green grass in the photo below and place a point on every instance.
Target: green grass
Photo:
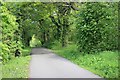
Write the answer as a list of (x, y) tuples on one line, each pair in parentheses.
[(0, 71), (26, 51), (0, 67), (104, 64), (17, 67)]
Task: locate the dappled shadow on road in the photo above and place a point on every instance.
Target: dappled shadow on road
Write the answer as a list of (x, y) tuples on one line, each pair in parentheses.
[(40, 51), (44, 52), (56, 57)]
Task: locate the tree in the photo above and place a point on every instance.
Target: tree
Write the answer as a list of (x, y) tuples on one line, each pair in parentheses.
[(61, 19)]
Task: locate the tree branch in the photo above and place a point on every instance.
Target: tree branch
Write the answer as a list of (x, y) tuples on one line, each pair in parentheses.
[(53, 20)]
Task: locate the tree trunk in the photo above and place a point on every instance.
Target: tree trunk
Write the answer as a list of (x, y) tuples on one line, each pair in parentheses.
[(28, 41)]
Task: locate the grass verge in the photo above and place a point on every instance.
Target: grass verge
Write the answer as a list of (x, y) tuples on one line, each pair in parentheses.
[(0, 71), (17, 67), (26, 51), (104, 64)]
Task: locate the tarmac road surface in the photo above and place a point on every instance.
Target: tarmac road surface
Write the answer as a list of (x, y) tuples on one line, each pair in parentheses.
[(46, 64)]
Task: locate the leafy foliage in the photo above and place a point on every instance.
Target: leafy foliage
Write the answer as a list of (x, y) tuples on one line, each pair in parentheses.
[(35, 42), (9, 37), (97, 27)]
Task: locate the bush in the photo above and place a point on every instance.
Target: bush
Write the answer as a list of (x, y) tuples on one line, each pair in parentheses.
[(96, 28), (9, 27), (56, 45)]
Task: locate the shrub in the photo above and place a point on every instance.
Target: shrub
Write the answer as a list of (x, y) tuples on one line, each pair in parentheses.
[(96, 28), (10, 41)]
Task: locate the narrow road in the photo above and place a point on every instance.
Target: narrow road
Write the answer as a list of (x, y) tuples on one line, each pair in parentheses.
[(45, 64)]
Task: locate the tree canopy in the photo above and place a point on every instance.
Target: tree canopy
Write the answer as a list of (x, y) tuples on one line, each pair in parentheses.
[(92, 26)]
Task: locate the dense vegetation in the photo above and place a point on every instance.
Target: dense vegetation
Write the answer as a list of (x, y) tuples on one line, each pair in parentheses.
[(93, 27), (104, 64), (97, 27)]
